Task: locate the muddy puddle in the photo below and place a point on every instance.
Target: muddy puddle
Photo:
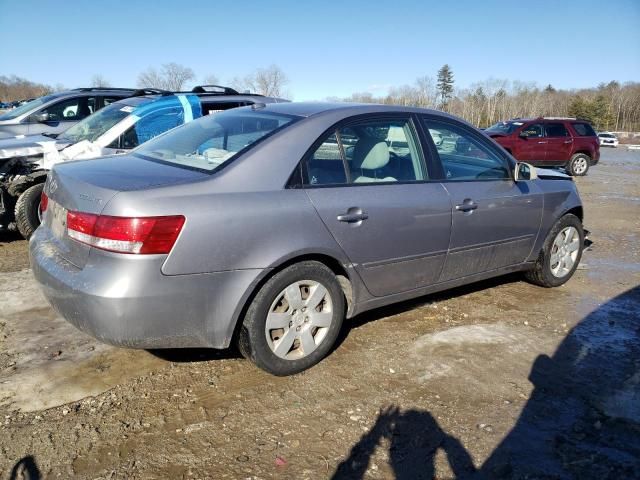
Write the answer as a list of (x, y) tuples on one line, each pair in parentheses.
[(45, 361)]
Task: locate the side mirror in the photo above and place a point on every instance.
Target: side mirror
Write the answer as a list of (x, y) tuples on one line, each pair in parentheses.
[(41, 117), (524, 171)]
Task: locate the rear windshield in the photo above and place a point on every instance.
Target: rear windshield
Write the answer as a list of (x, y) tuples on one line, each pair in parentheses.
[(583, 129), (211, 141), (606, 135), (97, 124), (27, 107), (504, 127)]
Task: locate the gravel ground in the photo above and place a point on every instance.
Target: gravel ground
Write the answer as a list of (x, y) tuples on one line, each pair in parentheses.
[(500, 379)]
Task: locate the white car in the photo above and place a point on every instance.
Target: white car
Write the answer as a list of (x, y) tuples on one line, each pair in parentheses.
[(607, 139)]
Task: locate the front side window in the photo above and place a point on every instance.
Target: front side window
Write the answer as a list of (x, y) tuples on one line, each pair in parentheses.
[(556, 130), (464, 157), (70, 109), (532, 131), (211, 141), (367, 152)]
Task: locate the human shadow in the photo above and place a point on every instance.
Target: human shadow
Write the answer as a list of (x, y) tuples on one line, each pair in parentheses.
[(583, 417), (413, 437), (582, 420), (25, 469)]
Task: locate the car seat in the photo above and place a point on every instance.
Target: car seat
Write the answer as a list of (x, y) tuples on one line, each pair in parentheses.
[(369, 156)]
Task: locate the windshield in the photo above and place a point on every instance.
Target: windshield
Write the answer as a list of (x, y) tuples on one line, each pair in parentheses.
[(97, 124), (504, 127), (27, 107), (208, 143)]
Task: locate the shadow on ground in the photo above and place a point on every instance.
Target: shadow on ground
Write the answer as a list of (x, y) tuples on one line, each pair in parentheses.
[(7, 236), (582, 420), (25, 469)]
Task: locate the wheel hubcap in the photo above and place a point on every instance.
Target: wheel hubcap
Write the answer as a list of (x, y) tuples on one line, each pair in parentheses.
[(564, 252), (580, 165), (299, 319)]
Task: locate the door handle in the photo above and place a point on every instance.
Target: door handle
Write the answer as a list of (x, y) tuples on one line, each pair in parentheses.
[(540, 143), (353, 215), (467, 206), (568, 141)]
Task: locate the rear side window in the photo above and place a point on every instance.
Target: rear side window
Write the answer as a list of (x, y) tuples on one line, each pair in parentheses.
[(556, 130), (583, 129), (209, 108), (367, 152), (151, 126), (464, 157)]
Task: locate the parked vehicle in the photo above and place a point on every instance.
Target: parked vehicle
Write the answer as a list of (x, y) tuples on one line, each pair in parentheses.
[(268, 225), (607, 139), (550, 142), (115, 129), (57, 112)]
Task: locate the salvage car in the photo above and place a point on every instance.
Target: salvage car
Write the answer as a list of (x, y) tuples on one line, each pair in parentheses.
[(57, 112), (115, 129), (570, 143), (608, 139), (266, 226)]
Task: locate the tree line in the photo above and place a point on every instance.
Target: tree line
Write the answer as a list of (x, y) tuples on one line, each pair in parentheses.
[(270, 81), (609, 106)]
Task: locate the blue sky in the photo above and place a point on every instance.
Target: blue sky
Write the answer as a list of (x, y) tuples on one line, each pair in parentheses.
[(326, 48)]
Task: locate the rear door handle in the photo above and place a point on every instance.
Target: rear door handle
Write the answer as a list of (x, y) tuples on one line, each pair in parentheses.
[(540, 143), (568, 141), (353, 215), (467, 206)]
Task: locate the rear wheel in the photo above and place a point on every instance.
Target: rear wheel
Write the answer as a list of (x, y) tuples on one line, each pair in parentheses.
[(560, 254), (27, 210), (294, 319), (579, 165)]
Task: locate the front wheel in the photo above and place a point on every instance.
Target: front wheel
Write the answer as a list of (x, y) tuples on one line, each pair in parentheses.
[(27, 210), (560, 255), (579, 165), (294, 320)]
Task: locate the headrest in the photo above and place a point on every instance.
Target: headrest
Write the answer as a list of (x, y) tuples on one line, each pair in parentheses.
[(370, 154)]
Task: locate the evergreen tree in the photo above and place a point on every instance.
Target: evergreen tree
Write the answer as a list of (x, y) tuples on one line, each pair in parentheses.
[(445, 85)]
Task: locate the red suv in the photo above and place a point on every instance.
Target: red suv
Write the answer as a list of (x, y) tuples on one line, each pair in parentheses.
[(549, 142)]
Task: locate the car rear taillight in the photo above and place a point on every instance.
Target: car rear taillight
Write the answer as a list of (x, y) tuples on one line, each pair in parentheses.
[(138, 235), (44, 202)]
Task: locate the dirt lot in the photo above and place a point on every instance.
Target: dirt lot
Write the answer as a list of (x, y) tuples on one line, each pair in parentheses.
[(500, 379)]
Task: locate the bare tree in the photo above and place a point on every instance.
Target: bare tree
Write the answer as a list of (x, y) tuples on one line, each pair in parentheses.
[(176, 76), (171, 76), (98, 80), (268, 81)]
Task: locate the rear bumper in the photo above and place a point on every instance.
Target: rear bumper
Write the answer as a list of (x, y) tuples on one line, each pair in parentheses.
[(125, 300)]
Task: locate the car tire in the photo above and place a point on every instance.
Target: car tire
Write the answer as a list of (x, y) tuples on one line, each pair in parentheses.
[(278, 316), (579, 165), (27, 211), (549, 270)]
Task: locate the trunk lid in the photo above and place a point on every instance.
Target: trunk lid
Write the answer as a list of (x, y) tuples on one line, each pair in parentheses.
[(87, 186)]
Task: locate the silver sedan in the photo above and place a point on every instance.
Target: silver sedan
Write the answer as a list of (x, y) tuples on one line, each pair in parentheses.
[(268, 225)]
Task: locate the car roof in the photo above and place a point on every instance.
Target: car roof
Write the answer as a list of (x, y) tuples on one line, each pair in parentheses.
[(309, 109), (205, 98)]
